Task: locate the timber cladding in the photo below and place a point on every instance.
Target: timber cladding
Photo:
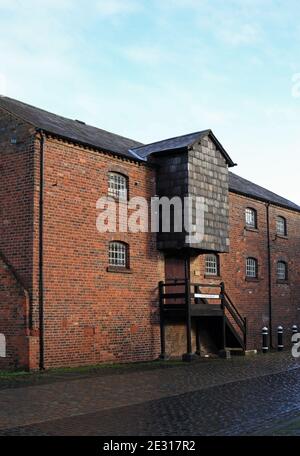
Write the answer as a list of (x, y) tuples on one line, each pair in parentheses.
[(208, 178)]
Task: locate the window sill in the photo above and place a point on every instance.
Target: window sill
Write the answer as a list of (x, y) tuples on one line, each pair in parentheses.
[(117, 269), (282, 282), (251, 228), (281, 236), (212, 276), (252, 279), (118, 200)]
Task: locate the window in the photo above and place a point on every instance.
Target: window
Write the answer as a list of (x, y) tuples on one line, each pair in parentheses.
[(251, 218), (118, 254), (117, 186), (212, 265), (251, 268), (282, 270), (281, 227)]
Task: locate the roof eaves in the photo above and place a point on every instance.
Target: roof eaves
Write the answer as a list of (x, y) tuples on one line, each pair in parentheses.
[(264, 200), (89, 145), (230, 162), (18, 116), (168, 139)]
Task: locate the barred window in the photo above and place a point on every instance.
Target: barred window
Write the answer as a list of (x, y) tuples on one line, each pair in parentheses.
[(281, 227), (118, 254), (251, 217), (117, 186), (251, 268), (282, 270), (212, 265)]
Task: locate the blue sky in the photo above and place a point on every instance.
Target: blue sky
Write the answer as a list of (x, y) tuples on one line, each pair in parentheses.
[(152, 69)]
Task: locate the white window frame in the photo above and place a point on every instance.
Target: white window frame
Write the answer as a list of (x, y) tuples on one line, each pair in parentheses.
[(118, 254), (251, 217), (117, 185), (282, 270), (281, 226), (251, 268), (212, 265)]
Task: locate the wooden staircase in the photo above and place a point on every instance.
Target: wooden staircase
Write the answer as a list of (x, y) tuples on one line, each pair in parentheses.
[(186, 301)]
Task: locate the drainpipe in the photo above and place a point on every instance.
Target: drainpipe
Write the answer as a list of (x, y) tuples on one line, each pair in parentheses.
[(41, 251), (269, 276)]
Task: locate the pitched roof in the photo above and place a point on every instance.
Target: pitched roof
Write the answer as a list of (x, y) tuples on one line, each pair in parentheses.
[(95, 137), (70, 129), (242, 186), (178, 143)]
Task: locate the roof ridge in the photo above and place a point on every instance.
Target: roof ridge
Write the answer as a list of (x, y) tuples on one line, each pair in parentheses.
[(289, 204), (13, 100), (201, 132)]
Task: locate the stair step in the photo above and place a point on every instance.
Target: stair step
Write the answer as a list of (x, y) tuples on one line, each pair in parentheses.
[(235, 351)]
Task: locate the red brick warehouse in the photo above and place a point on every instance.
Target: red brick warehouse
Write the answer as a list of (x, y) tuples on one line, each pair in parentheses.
[(70, 295)]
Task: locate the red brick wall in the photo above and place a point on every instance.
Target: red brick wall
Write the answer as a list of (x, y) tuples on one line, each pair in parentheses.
[(16, 194), (286, 297), (16, 241), (252, 298), (92, 315), (21, 347)]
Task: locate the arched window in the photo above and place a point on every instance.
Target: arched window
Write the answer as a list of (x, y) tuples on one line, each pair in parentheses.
[(251, 217), (281, 226), (282, 270), (117, 186), (212, 265), (118, 254), (252, 268)]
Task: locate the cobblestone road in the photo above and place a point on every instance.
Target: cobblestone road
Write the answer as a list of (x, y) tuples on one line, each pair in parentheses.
[(241, 396)]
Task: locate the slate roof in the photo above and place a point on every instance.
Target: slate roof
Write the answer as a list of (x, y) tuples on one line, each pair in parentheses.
[(95, 137), (70, 129), (178, 143), (242, 186)]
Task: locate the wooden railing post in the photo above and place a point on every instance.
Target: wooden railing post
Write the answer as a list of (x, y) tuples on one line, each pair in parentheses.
[(189, 355), (197, 291), (162, 322), (198, 341), (245, 333), (222, 287)]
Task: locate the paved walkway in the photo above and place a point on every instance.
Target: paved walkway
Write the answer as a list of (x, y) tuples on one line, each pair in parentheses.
[(226, 397)]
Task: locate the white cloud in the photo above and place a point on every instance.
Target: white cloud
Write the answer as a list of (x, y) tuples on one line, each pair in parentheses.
[(112, 8), (29, 5), (145, 55), (236, 35)]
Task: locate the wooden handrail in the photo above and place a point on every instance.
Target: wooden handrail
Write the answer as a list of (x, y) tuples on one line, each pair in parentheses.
[(206, 285), (239, 322), (188, 296), (231, 303), (173, 284)]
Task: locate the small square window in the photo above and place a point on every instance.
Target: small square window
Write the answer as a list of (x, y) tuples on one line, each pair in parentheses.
[(251, 268), (251, 218), (282, 272), (281, 227), (117, 186), (211, 265), (118, 254)]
